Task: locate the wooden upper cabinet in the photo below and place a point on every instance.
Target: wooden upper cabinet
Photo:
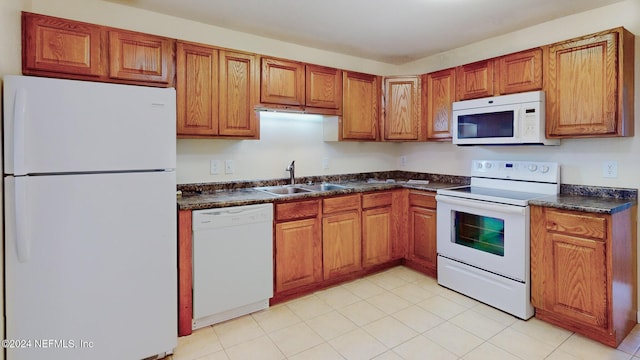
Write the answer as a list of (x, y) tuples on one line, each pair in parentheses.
[(589, 86), (438, 94), (282, 82), (323, 87), (54, 45), (239, 89), (197, 89), (216, 92), (360, 107), (402, 120), (475, 80), (75, 50), (520, 72), (140, 57)]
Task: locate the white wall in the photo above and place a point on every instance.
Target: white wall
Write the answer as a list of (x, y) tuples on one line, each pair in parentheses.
[(283, 138)]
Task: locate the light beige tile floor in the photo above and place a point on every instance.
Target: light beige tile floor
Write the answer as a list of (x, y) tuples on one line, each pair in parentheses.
[(395, 314)]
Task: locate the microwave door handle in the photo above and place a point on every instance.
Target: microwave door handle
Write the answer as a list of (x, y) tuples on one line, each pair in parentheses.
[(518, 123)]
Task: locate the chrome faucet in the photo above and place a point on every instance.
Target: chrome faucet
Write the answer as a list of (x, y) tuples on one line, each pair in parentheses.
[(292, 172)]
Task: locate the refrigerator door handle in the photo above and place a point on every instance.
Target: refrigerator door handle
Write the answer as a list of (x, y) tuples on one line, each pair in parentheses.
[(19, 118), (21, 230)]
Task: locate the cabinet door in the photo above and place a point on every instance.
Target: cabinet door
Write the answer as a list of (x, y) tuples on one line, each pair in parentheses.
[(402, 108), (298, 254), (239, 88), (197, 90), (377, 236), (61, 46), (475, 80), (520, 72), (140, 57), (341, 245), (582, 88), (575, 284), (422, 237), (439, 95), (282, 82), (323, 87), (361, 101)]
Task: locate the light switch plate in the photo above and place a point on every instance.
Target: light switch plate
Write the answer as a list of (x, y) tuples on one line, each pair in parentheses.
[(214, 167), (229, 167), (610, 169)]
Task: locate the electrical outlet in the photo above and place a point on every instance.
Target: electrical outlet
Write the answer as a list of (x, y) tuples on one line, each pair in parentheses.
[(610, 169), (403, 161), (325, 163), (214, 168), (229, 167)]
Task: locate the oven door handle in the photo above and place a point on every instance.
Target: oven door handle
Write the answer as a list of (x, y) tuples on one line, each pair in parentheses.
[(482, 205)]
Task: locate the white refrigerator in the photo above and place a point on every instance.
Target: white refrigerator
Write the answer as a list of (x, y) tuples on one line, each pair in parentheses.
[(90, 220)]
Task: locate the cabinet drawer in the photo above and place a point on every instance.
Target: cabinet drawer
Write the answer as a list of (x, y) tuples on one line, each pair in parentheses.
[(422, 199), (296, 210), (576, 224), (341, 203), (377, 199)]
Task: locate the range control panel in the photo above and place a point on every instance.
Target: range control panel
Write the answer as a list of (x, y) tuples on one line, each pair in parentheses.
[(516, 170)]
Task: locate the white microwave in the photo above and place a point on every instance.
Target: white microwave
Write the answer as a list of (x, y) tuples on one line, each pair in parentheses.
[(514, 119)]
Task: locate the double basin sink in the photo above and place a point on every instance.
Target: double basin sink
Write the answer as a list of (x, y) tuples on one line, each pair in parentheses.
[(299, 189)]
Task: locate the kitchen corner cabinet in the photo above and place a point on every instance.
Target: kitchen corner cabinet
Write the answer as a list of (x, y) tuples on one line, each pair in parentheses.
[(360, 107), (216, 92), (438, 95), (64, 48), (401, 119), (583, 271), (475, 80), (298, 245), (341, 241), (589, 86), (422, 251)]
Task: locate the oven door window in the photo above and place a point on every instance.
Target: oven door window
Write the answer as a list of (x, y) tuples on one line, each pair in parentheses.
[(482, 233), (489, 125)]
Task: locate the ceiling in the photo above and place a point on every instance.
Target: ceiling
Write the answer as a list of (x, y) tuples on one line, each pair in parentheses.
[(390, 31)]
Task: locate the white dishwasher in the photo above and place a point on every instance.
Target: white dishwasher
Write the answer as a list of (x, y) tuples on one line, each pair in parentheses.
[(232, 262)]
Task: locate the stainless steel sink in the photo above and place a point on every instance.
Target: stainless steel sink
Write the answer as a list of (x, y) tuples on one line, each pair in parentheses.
[(324, 187), (283, 189), (299, 189)]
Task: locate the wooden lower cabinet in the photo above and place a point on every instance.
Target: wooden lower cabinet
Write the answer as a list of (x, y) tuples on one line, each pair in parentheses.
[(422, 252), (341, 243), (298, 255), (297, 245), (382, 214), (583, 271)]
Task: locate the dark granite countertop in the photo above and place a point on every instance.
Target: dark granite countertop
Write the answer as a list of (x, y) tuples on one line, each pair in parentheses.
[(594, 199), (216, 195), (248, 196), (602, 200)]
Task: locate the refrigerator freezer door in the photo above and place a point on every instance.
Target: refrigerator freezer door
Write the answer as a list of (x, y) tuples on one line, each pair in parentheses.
[(66, 126), (94, 276)]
